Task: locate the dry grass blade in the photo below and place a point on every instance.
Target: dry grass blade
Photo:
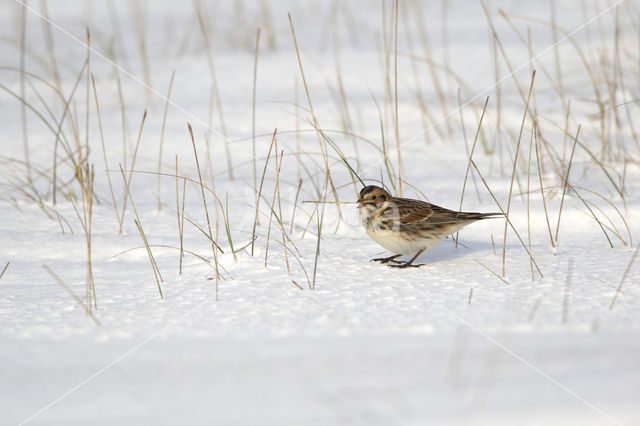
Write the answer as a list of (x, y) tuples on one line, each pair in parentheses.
[(152, 260), (253, 111), (566, 133), (466, 142), (59, 131), (215, 93), (420, 23), (46, 24), (104, 153), (85, 175), (544, 202), (473, 148), (556, 51), (333, 145), (139, 15), (566, 181), (272, 206), (613, 228), (315, 121), (297, 258), (227, 226), (73, 295), (4, 270), (396, 123), (164, 246), (612, 205), (127, 181), (604, 169), (273, 214), (513, 174), (164, 122), (304, 80), (284, 236), (87, 103), (264, 171), (490, 270), (347, 122), (320, 220), (593, 215), (123, 117), (180, 216), (296, 97), (624, 277), (507, 219), (387, 164), (533, 129), (500, 47), (23, 107), (205, 233), (204, 202), (222, 208), (295, 205), (425, 117)]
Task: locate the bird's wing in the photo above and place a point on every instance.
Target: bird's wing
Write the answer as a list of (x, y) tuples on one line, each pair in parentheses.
[(415, 211)]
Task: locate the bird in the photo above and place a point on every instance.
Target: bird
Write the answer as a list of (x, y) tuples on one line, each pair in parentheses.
[(406, 226)]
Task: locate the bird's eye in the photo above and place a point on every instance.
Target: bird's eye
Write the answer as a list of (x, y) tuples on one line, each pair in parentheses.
[(373, 198)]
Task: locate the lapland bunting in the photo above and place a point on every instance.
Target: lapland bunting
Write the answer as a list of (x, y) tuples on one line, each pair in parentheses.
[(406, 226)]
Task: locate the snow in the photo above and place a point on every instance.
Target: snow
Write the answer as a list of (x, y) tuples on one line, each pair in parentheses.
[(452, 342)]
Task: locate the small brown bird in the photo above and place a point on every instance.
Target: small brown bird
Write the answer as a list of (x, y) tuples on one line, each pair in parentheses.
[(407, 226)]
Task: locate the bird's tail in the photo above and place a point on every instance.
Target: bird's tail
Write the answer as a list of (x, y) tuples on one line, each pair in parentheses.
[(480, 216)]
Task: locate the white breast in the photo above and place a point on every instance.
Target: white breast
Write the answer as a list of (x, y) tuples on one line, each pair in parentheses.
[(394, 243)]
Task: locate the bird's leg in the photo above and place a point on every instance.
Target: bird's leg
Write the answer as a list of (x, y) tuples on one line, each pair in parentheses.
[(410, 262), (387, 259)]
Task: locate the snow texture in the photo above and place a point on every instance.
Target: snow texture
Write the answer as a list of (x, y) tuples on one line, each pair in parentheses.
[(453, 342)]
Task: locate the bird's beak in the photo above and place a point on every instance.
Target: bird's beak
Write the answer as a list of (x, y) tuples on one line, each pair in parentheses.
[(360, 202)]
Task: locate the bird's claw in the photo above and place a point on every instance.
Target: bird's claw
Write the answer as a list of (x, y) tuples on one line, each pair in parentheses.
[(406, 265), (387, 259)]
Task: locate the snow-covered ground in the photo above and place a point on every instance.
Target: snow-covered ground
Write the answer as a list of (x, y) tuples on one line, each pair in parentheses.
[(321, 335)]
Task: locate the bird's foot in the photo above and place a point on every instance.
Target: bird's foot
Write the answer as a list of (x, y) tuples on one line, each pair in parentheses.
[(410, 262), (406, 265), (387, 259)]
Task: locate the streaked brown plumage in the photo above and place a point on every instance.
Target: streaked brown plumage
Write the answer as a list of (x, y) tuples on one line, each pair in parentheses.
[(407, 226)]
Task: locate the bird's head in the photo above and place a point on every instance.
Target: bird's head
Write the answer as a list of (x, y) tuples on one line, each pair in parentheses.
[(373, 196)]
